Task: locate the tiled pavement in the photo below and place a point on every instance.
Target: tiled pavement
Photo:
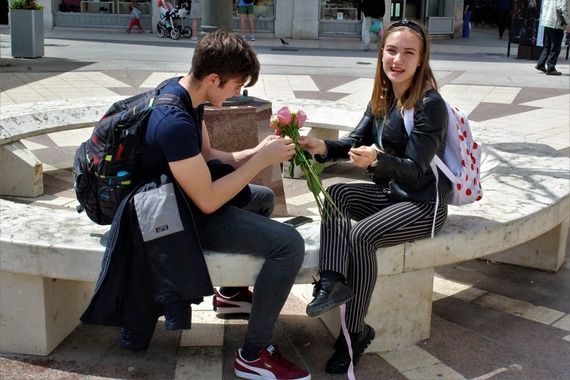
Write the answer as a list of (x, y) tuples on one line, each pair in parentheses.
[(489, 320)]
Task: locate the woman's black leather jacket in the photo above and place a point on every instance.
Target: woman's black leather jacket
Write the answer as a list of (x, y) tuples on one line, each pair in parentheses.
[(404, 163)]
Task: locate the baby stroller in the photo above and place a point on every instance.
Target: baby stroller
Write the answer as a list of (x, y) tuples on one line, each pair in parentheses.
[(171, 24)]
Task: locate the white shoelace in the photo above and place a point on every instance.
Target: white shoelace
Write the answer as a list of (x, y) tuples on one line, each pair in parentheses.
[(350, 371)]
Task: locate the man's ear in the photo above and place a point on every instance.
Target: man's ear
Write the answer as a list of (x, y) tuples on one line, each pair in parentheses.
[(213, 79)]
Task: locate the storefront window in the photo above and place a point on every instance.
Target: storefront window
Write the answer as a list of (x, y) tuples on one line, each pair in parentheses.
[(339, 10), (110, 7), (263, 8)]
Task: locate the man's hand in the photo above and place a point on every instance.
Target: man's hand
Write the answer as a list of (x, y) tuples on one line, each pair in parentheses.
[(276, 150), (362, 156), (266, 141)]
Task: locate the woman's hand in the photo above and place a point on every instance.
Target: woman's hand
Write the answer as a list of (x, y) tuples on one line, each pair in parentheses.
[(362, 156), (313, 145)]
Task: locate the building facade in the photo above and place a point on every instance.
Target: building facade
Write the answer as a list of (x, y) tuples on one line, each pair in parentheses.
[(297, 19)]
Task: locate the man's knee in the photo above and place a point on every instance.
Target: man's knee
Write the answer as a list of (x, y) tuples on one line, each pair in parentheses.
[(262, 200), (295, 244)]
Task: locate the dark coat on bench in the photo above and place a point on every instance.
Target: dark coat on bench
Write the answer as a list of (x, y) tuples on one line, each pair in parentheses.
[(141, 280)]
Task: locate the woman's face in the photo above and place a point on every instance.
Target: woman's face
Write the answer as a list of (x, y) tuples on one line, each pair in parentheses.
[(400, 58)]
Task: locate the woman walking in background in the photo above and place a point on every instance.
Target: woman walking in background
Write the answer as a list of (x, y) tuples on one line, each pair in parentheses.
[(467, 19)]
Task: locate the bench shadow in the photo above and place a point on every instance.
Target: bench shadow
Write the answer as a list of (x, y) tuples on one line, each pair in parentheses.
[(42, 68), (527, 149), (528, 176)]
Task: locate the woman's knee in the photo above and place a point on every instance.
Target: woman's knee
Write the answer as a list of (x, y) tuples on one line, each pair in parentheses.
[(363, 237), (337, 191)]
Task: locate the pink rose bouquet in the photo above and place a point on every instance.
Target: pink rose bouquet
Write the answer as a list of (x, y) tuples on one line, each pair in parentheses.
[(288, 123)]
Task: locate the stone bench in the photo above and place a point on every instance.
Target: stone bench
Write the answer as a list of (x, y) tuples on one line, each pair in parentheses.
[(22, 173), (230, 128), (51, 257)]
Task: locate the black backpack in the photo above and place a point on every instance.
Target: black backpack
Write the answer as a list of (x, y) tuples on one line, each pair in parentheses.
[(105, 166)]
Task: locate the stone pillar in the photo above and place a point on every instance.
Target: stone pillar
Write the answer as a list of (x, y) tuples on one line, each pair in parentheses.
[(236, 128), (21, 174), (48, 13), (216, 14), (306, 19), (284, 18), (39, 312), (155, 14)]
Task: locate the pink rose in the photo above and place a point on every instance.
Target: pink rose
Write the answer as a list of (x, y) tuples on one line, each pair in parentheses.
[(274, 122), (301, 118), (284, 115)]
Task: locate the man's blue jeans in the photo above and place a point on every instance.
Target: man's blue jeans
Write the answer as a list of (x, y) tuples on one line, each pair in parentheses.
[(249, 231)]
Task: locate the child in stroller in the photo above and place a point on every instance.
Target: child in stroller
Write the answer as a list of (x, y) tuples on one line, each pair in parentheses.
[(171, 22)]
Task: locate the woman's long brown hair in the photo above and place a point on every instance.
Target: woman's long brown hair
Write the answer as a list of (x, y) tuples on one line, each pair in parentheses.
[(383, 98)]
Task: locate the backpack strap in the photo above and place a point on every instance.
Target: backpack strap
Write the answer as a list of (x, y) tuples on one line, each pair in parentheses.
[(169, 98), (409, 125)]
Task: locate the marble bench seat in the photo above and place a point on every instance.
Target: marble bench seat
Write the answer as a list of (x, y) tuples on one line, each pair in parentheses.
[(50, 258)]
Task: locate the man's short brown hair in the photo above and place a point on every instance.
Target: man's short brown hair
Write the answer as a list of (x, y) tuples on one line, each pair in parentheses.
[(227, 55)]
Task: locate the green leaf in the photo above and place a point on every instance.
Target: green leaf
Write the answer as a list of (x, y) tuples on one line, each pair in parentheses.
[(318, 168)]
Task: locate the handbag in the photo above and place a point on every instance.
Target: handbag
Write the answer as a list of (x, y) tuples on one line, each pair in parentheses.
[(376, 27)]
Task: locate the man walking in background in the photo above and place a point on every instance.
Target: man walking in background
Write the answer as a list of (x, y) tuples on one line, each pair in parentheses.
[(554, 17), (372, 12)]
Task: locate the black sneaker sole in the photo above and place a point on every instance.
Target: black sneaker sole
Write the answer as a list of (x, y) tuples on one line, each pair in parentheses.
[(324, 307), (369, 338)]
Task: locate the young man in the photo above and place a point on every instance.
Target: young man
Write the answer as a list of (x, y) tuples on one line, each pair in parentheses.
[(177, 141)]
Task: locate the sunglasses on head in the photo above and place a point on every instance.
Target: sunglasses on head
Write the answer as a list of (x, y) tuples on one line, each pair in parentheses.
[(409, 24)]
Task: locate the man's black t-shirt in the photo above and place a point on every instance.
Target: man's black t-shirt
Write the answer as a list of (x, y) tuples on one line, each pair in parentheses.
[(172, 133)]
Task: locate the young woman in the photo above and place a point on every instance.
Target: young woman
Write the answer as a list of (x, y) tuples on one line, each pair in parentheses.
[(399, 204)]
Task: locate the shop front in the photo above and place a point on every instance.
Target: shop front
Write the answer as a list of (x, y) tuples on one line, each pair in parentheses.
[(98, 14), (264, 16), (342, 18), (298, 19), (339, 18), (115, 13), (441, 17)]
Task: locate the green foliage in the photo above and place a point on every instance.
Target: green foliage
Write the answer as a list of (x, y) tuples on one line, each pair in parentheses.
[(26, 4)]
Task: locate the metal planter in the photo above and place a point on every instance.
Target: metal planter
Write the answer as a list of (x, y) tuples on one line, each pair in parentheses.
[(27, 32)]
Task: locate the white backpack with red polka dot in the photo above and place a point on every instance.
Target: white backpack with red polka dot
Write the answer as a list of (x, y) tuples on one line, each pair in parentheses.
[(461, 159)]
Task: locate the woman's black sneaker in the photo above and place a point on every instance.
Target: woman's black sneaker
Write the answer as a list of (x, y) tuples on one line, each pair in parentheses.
[(328, 292), (340, 359)]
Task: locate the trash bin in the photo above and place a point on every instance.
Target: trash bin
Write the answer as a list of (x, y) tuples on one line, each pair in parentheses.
[(241, 123)]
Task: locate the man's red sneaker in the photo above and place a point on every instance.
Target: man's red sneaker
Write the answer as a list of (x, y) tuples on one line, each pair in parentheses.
[(239, 303), (270, 365)]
